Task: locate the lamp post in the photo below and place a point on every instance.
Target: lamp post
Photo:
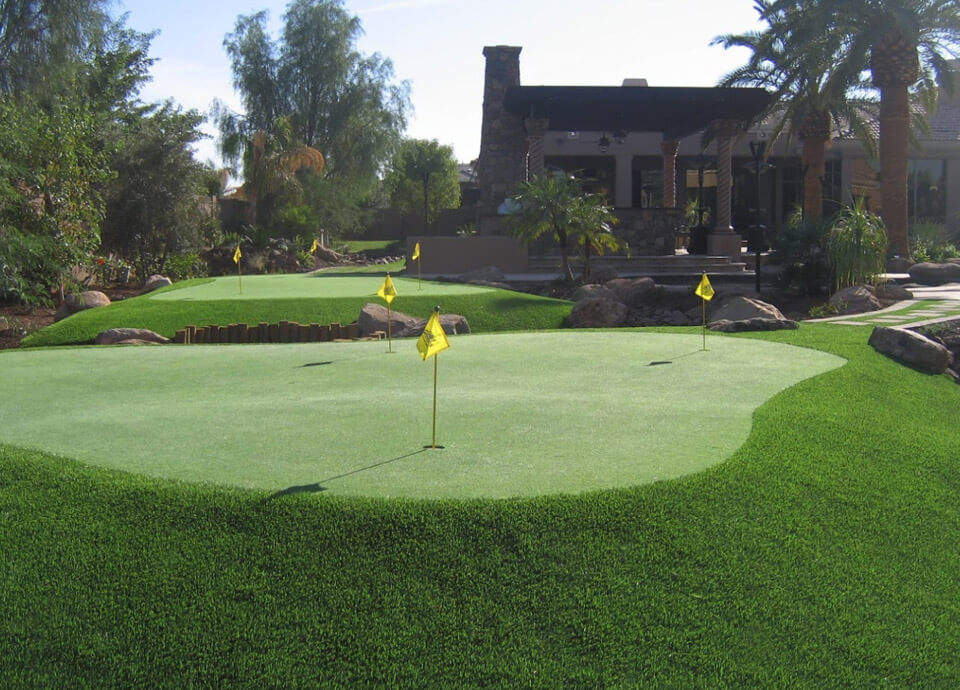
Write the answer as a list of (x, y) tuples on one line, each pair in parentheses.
[(758, 149)]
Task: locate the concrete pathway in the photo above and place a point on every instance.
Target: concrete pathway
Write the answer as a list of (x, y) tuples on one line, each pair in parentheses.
[(929, 305)]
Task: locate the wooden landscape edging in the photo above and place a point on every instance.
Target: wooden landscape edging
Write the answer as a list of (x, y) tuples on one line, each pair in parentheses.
[(283, 332)]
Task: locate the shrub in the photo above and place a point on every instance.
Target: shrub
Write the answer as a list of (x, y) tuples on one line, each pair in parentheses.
[(185, 266), (799, 248), (929, 241), (857, 247)]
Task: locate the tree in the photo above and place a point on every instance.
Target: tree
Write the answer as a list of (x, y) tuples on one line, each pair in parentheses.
[(337, 100), (904, 44), (555, 203), (423, 175), (41, 41), (153, 204), (593, 223), (811, 93)]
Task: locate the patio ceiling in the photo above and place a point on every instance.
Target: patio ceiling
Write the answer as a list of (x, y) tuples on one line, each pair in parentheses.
[(676, 111)]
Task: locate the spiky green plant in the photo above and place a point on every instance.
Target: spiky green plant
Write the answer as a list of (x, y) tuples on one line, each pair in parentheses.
[(857, 246)]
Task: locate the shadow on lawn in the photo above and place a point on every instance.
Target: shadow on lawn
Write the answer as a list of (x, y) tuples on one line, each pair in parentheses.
[(317, 487)]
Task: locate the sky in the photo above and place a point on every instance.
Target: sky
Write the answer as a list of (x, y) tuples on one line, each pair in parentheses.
[(437, 46)]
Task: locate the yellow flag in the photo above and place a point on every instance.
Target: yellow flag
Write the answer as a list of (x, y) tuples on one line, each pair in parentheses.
[(416, 252), (314, 247), (704, 289), (387, 291), (237, 255), (433, 339)]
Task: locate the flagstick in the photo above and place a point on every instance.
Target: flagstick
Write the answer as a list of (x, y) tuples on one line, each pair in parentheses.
[(389, 341), (703, 303), (239, 279), (435, 357), (419, 285)]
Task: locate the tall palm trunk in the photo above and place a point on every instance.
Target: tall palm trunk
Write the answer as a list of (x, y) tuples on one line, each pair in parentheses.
[(895, 66), (815, 135)]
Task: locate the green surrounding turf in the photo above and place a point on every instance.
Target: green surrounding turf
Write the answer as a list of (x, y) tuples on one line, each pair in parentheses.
[(921, 305), (519, 415), (824, 553), (304, 298)]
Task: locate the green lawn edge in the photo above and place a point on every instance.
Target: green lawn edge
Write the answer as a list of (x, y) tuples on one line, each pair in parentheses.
[(492, 310), (824, 553)]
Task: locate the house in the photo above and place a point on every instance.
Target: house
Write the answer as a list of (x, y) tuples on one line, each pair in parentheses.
[(653, 151)]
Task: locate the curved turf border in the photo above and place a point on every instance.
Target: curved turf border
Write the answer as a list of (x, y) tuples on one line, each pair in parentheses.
[(520, 414)]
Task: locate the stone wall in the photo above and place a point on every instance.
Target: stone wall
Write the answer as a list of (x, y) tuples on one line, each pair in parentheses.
[(455, 255), (650, 232)]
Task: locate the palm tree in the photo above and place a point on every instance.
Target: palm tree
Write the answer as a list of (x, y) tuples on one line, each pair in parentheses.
[(905, 45), (553, 203), (593, 229), (811, 94)]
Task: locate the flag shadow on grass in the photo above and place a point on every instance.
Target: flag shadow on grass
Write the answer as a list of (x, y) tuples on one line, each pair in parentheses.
[(317, 487), (673, 359)]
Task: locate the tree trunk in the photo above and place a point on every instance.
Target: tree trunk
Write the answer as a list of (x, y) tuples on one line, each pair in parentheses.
[(812, 161), (894, 140)]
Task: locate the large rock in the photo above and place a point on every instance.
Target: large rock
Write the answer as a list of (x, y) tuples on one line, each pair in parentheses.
[(117, 336), (758, 323), (592, 291), (71, 304), (935, 274), (855, 299), (154, 282), (328, 255), (598, 312), (743, 308), (452, 324), (892, 292), (373, 318), (912, 349), (632, 291)]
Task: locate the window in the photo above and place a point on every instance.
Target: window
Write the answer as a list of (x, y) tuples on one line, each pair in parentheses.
[(927, 191)]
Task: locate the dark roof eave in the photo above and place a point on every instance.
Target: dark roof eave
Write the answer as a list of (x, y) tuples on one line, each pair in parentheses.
[(676, 111)]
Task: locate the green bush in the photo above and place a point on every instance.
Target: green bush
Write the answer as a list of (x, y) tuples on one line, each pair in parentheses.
[(929, 241), (185, 266), (27, 267), (799, 249), (857, 247)]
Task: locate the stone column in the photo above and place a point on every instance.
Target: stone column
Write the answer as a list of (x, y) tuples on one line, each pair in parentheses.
[(623, 193), (503, 141), (536, 130), (669, 149), (723, 241)]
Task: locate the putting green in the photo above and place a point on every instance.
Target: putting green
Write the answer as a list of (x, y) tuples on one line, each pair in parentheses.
[(309, 285), (519, 415)]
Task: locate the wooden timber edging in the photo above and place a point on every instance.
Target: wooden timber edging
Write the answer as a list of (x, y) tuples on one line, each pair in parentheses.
[(283, 332)]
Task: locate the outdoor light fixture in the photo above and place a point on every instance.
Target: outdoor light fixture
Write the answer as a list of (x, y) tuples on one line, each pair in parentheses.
[(604, 143), (757, 166)]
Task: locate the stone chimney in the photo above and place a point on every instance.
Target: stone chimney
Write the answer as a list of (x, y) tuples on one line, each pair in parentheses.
[(503, 143)]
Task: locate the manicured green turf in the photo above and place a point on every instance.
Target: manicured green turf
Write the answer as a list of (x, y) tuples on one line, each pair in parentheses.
[(824, 553), (304, 298), (519, 415)]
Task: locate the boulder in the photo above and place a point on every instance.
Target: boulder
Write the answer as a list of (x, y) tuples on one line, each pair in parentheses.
[(603, 273), (123, 336), (487, 274), (911, 348), (328, 255), (743, 308), (855, 299), (935, 274), (592, 291), (452, 324), (155, 281), (78, 302), (632, 291), (757, 323), (892, 292), (598, 312), (373, 317)]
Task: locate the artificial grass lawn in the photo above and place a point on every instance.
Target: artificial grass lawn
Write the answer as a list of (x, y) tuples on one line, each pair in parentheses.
[(824, 553), (304, 298), (519, 415)]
